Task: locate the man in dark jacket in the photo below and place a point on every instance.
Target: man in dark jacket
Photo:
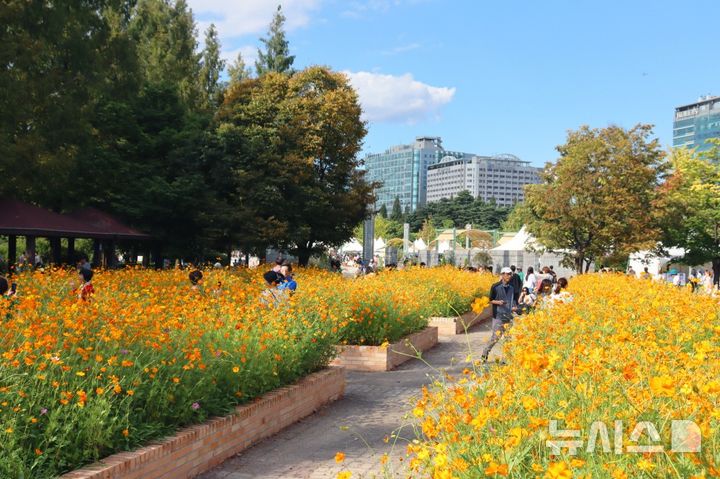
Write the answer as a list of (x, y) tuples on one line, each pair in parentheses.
[(503, 298), (515, 280)]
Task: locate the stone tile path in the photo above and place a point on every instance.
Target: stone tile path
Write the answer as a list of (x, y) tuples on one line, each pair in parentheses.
[(375, 406)]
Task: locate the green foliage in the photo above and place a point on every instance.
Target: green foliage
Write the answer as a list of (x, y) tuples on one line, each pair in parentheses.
[(593, 202), (286, 148), (55, 67), (427, 232), (276, 57), (239, 71), (515, 219), (117, 109), (164, 35), (383, 212), (459, 211), (210, 69), (690, 206), (397, 214)]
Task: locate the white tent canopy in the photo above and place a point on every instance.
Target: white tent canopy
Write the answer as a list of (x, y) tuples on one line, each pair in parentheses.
[(520, 242), (647, 259), (379, 245), (352, 246), (419, 245)]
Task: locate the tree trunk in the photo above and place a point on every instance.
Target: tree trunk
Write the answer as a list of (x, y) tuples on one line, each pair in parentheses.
[(303, 255), (579, 260), (716, 270)]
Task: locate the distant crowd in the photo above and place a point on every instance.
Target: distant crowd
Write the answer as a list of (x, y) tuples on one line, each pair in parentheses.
[(697, 280), (517, 293)]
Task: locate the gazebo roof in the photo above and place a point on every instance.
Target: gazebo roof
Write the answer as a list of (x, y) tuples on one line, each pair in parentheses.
[(19, 218), (107, 223)]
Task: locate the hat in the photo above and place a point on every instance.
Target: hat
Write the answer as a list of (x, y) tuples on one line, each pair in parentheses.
[(506, 270)]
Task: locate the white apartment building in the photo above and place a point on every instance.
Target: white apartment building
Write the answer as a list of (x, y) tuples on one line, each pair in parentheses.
[(500, 177)]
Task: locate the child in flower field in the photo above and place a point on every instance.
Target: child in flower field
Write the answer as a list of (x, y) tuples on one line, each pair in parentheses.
[(195, 278), (272, 296), (5, 289), (86, 289), (288, 283)]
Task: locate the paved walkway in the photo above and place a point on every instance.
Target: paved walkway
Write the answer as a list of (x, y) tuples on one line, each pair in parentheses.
[(375, 406)]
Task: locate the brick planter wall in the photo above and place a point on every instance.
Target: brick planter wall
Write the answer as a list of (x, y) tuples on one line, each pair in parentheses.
[(458, 325), (199, 448), (378, 358)]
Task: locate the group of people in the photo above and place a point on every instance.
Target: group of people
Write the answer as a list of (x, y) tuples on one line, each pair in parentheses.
[(699, 280), (280, 283), (84, 289), (514, 295)]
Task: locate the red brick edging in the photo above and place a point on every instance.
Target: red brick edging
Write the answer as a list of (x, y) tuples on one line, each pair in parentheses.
[(199, 448), (385, 358), (458, 325)]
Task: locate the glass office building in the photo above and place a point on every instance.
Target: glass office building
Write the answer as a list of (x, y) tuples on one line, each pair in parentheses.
[(402, 171), (696, 122)]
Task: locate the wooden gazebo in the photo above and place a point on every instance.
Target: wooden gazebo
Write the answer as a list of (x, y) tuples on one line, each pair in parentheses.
[(22, 219)]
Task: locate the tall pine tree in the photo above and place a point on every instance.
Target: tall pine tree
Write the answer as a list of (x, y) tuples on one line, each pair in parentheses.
[(238, 70), (166, 43), (211, 68), (276, 57)]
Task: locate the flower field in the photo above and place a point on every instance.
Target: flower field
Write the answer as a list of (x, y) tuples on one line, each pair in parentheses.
[(80, 380), (621, 361)]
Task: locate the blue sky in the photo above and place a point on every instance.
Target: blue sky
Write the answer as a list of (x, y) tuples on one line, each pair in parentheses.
[(496, 76)]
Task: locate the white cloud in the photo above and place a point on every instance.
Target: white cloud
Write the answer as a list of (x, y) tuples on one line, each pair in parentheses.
[(235, 18), (390, 98), (358, 9), (401, 49)]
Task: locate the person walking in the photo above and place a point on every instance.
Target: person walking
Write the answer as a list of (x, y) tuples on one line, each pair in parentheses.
[(503, 298)]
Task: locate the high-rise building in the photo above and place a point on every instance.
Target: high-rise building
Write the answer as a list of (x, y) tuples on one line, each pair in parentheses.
[(696, 122), (501, 178), (402, 171)]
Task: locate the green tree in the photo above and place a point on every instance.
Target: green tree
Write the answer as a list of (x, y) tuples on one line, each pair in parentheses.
[(211, 68), (165, 36), (515, 219), (427, 233), (690, 206), (238, 71), (290, 148), (593, 202), (276, 57), (57, 59), (327, 189), (396, 213), (383, 211), (459, 211)]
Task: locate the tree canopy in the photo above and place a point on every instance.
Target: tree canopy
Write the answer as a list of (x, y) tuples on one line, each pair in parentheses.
[(291, 145), (276, 56), (118, 108), (459, 211), (689, 206), (594, 202)]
